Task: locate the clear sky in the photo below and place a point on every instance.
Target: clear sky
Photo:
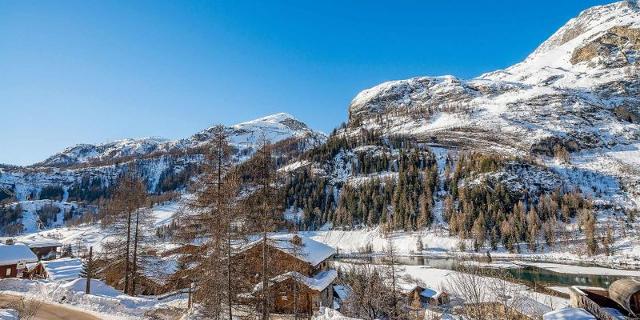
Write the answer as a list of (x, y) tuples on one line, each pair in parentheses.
[(95, 71)]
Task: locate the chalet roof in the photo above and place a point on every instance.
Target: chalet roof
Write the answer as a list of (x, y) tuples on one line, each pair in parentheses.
[(430, 293), (16, 253), (63, 269), (568, 314), (310, 251), (318, 282), (40, 242), (343, 291)]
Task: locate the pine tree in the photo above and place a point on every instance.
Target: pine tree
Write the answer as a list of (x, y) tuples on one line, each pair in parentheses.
[(88, 270), (589, 226), (478, 232), (128, 198), (607, 240), (425, 218), (216, 212), (266, 210), (532, 227)]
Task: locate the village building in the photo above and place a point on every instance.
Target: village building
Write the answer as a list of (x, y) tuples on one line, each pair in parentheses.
[(14, 258), (45, 249), (621, 300), (422, 298), (292, 260)]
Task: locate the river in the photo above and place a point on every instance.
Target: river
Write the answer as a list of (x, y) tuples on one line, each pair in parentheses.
[(529, 274)]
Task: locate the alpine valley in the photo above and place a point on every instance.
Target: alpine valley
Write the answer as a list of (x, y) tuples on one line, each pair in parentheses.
[(536, 162)]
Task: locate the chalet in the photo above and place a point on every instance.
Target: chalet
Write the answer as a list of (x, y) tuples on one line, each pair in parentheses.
[(313, 292), (45, 249), (292, 260), (421, 298), (621, 300), (13, 260)]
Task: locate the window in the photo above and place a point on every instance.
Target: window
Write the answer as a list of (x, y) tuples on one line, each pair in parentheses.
[(8, 272)]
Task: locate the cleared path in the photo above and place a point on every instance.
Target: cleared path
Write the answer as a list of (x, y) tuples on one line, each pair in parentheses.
[(49, 311)]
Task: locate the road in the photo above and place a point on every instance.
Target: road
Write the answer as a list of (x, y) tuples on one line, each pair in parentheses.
[(49, 311)]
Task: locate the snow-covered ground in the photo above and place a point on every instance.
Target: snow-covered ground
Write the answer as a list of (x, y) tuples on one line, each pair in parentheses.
[(437, 243), (104, 301), (573, 269), (8, 314), (528, 301)]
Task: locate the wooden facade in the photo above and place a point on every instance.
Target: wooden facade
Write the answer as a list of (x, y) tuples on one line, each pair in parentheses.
[(13, 260), (46, 253), (9, 271), (309, 300), (281, 262)]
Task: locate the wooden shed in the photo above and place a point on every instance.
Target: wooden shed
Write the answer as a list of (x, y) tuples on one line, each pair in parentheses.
[(626, 292)]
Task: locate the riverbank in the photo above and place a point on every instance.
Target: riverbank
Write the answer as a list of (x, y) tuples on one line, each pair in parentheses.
[(437, 244)]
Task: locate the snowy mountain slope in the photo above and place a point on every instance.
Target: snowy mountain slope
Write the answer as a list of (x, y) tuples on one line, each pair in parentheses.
[(153, 158), (84, 173), (579, 91), (246, 135)]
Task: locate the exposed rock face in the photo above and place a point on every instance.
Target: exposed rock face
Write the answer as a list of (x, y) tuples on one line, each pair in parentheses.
[(618, 47)]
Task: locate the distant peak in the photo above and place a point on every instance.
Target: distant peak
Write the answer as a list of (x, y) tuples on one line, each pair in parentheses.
[(273, 118)]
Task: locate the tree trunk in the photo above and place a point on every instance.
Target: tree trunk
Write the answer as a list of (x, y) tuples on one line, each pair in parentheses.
[(89, 271), (126, 267), (265, 284), (135, 255)]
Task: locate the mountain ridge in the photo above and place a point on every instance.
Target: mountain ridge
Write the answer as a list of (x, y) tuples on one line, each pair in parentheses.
[(275, 127)]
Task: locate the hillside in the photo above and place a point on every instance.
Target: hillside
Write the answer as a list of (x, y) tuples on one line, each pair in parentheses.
[(84, 173), (520, 159), (577, 92)]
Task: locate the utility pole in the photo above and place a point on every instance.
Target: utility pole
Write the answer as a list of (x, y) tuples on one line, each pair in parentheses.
[(89, 270)]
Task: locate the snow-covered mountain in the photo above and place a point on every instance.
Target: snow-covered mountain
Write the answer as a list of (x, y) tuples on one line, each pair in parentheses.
[(579, 91), (84, 171), (244, 136)]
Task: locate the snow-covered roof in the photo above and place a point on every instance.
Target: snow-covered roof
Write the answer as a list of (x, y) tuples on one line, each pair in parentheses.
[(319, 282), (63, 269), (614, 313), (17, 253), (531, 307), (310, 251), (430, 293), (342, 291), (8, 314), (569, 314), (40, 242)]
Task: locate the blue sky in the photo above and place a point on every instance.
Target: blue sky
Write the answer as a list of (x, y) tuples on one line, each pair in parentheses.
[(94, 71)]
